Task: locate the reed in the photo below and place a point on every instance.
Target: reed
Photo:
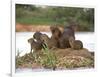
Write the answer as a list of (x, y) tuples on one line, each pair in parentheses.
[(49, 60)]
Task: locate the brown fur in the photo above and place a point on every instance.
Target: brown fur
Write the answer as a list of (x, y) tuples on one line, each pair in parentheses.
[(35, 45), (75, 44), (51, 43), (37, 36), (56, 34), (64, 39)]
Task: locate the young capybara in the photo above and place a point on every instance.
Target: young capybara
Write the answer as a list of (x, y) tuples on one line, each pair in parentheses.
[(35, 45), (37, 36), (75, 44)]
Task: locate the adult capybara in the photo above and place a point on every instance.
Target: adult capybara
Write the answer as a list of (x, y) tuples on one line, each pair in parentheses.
[(67, 33), (56, 34), (50, 43), (75, 44), (35, 45)]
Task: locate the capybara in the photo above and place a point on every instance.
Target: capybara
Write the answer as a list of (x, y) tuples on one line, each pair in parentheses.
[(37, 36), (35, 45), (50, 43), (56, 34), (75, 44), (64, 39)]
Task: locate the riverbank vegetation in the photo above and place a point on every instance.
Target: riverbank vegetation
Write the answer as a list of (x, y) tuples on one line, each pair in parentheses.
[(53, 15), (56, 59)]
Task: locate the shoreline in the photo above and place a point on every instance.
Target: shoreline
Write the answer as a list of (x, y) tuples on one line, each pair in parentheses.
[(33, 28)]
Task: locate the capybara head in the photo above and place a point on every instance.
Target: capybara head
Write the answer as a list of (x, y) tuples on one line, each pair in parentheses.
[(56, 33), (44, 37), (37, 36)]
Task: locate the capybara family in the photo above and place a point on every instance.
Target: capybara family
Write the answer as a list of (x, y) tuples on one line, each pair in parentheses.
[(59, 39)]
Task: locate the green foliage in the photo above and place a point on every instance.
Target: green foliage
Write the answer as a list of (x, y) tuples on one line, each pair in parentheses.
[(18, 59), (49, 15), (49, 60), (36, 21)]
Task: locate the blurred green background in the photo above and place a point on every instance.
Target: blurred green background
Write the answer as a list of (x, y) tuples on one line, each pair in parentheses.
[(54, 15)]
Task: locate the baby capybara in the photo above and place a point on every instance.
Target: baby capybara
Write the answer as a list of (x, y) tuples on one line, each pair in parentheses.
[(35, 45), (37, 36), (75, 44)]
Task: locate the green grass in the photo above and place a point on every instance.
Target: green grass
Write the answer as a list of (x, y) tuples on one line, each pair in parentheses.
[(48, 58), (35, 21)]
